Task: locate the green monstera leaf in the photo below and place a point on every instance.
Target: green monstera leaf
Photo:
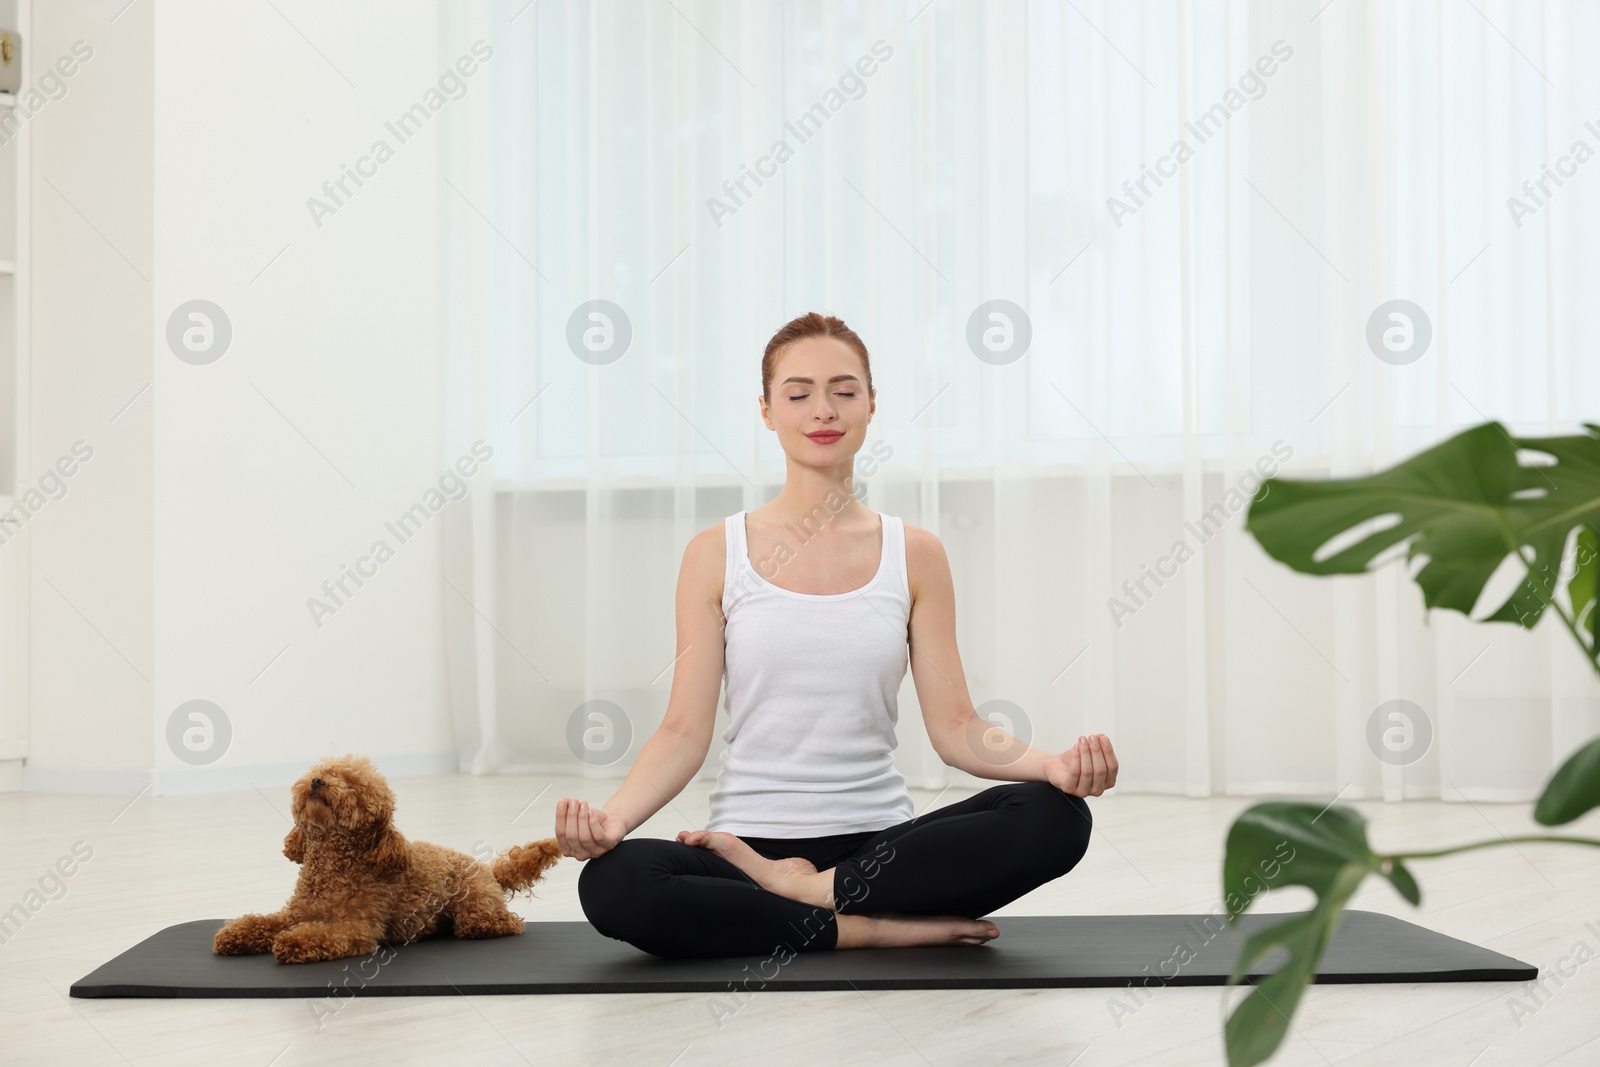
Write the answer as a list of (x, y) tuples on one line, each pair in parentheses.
[(1557, 498), (1574, 790), (1465, 504), (1462, 507), (1584, 589), (1282, 843)]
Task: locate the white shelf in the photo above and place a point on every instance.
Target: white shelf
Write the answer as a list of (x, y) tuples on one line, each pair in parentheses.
[(8, 266)]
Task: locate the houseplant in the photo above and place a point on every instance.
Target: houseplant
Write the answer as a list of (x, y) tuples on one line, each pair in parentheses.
[(1461, 508)]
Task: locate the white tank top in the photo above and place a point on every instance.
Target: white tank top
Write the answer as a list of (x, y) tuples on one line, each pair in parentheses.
[(812, 688)]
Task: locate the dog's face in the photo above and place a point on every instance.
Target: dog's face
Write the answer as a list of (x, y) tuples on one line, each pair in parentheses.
[(343, 793)]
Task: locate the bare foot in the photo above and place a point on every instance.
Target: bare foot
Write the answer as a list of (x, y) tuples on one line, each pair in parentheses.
[(786, 877), (903, 931)]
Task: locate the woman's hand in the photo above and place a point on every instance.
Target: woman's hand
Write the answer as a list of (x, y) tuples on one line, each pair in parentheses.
[(584, 832), (1087, 769)]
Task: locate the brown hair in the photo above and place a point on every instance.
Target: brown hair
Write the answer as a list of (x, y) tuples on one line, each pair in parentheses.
[(810, 325)]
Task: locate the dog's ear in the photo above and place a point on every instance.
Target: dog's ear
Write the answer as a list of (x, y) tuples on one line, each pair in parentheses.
[(389, 854), (294, 845)]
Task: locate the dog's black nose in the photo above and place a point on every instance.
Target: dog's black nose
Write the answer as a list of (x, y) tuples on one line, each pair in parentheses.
[(316, 783)]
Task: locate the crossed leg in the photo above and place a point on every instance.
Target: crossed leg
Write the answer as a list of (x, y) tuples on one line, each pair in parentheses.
[(920, 882), (964, 859)]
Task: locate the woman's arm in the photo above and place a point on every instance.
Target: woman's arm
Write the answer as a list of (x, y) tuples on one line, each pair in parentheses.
[(677, 749), (959, 736)]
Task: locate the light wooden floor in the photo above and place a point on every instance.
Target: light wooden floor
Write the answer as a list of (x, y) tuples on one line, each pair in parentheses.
[(160, 861)]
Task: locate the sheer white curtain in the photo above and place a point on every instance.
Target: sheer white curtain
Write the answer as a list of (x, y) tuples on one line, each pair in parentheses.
[(1195, 209)]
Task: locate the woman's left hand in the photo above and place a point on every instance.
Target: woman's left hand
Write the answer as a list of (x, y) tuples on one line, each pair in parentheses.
[(1087, 769)]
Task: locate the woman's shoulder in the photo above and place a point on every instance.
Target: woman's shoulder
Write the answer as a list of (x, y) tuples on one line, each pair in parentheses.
[(925, 559), (705, 560), (919, 540)]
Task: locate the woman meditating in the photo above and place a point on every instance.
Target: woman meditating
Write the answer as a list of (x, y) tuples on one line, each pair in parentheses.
[(813, 606)]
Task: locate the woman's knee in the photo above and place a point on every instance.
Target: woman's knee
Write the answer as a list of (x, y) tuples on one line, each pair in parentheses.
[(1064, 822), (611, 888)]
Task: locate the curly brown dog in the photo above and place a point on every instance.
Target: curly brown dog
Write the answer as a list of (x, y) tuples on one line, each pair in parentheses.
[(362, 883)]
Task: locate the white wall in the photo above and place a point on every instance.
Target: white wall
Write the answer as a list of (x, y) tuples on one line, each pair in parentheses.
[(92, 661), (229, 492)]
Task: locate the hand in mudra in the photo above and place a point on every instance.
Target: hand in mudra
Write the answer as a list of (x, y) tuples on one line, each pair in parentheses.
[(584, 832), (1087, 769)]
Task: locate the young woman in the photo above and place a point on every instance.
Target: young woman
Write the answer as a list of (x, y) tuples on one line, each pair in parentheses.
[(814, 606)]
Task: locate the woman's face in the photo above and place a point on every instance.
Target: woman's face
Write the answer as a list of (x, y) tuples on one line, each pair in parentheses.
[(819, 388)]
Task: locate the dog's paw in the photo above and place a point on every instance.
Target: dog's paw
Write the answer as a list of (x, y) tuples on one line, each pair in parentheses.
[(289, 947), (506, 925), (229, 944), (246, 936)]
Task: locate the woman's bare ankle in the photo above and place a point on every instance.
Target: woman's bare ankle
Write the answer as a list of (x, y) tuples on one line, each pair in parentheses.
[(904, 931), (854, 931), (797, 882)]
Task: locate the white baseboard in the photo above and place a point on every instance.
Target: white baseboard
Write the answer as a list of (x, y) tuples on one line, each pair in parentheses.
[(1408, 792), (224, 778), (1491, 796), (217, 778)]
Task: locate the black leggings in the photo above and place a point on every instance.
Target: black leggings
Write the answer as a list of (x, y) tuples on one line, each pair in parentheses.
[(968, 858)]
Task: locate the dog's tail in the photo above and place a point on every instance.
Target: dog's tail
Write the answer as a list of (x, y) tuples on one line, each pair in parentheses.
[(520, 866)]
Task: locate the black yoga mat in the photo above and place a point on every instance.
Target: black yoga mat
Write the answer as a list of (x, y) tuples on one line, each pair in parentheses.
[(572, 957)]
